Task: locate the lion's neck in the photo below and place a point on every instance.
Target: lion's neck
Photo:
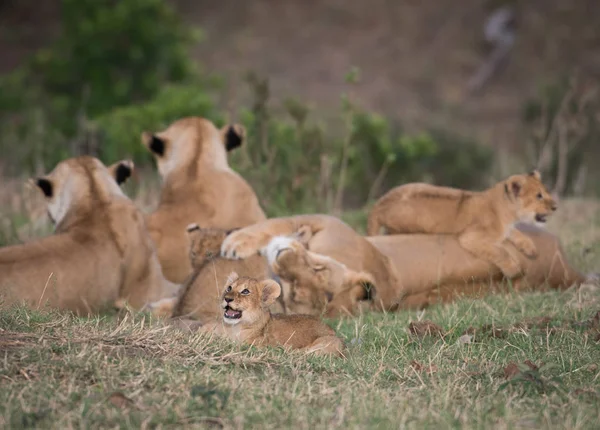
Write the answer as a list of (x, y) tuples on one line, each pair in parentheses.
[(503, 202), (255, 332), (179, 186)]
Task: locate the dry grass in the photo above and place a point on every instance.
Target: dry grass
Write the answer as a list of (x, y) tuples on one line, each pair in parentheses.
[(534, 365)]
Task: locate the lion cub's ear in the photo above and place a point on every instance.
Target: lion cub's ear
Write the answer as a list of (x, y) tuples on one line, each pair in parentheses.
[(516, 183), (233, 136), (233, 276), (536, 174), (270, 290), (121, 170), (45, 185)]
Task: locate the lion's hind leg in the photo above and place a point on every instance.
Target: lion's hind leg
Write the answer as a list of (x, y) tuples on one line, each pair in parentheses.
[(326, 345)]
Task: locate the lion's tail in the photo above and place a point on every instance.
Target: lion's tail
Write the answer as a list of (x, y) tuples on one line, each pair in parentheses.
[(373, 224)]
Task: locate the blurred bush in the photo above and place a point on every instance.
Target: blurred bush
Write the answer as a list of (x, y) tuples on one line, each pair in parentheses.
[(564, 125), (121, 67), (298, 165), (110, 53), (119, 130)]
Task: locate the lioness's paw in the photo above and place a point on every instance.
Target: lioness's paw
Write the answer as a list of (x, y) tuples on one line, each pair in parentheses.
[(275, 247), (511, 269), (528, 248), (238, 246)]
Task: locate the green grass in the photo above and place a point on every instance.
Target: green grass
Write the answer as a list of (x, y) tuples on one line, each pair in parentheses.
[(60, 371), (129, 371)]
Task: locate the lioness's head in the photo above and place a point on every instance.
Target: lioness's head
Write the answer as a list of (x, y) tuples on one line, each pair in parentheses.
[(247, 300), (533, 202), (314, 283), (191, 141), (205, 243), (80, 183)]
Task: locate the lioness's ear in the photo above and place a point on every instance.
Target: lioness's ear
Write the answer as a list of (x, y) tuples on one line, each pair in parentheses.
[(192, 227), (233, 276), (233, 136), (361, 285), (270, 291), (536, 174), (45, 185), (121, 170), (155, 144), (304, 234)]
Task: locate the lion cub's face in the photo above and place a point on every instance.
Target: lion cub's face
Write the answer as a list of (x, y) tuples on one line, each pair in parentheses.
[(534, 202), (188, 141), (246, 300), (311, 281), (79, 181), (205, 244)]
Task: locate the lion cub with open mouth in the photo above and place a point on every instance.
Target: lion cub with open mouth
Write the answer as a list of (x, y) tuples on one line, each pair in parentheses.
[(246, 318)]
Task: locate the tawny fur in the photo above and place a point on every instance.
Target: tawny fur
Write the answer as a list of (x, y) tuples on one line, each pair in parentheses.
[(406, 270), (328, 237), (198, 186), (482, 221), (100, 254), (200, 294), (436, 268), (313, 283), (257, 326)]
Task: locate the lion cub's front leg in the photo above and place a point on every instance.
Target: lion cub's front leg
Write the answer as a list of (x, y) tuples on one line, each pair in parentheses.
[(482, 246), (522, 243)]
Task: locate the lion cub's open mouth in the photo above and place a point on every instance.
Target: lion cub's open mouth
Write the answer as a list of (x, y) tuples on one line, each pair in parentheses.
[(541, 218), (232, 314)]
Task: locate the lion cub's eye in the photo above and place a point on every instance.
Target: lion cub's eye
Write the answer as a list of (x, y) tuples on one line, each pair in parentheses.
[(245, 292), (228, 290), (539, 196)]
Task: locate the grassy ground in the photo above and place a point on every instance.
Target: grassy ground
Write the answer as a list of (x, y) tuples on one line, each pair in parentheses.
[(535, 365)]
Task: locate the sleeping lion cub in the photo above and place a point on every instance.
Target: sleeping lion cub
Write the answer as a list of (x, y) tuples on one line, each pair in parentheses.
[(483, 221), (246, 318)]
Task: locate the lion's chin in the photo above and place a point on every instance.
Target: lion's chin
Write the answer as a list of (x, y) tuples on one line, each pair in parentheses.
[(231, 316)]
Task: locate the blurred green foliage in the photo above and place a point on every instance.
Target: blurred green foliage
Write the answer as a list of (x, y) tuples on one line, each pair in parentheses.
[(294, 162), (119, 130), (122, 67), (565, 112), (110, 53)]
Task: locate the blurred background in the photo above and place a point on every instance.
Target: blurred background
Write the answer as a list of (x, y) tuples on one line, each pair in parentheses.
[(343, 99)]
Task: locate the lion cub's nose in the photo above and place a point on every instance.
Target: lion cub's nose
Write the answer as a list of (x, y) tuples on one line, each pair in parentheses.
[(554, 207), (228, 299)]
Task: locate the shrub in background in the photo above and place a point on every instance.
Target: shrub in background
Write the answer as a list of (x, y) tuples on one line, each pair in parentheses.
[(564, 124), (110, 53), (121, 67), (118, 131)]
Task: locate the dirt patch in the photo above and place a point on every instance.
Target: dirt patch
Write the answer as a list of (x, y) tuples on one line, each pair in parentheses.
[(13, 341), (423, 368), (514, 369), (425, 328), (487, 330)]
